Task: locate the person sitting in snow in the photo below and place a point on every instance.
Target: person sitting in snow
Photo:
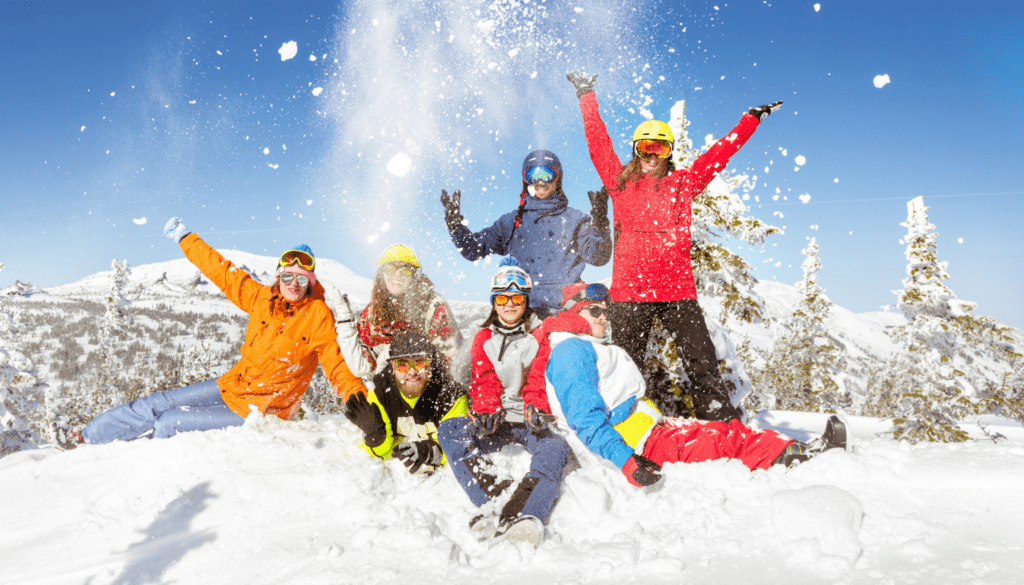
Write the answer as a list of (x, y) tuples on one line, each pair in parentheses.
[(501, 415), (402, 298), (290, 330), (411, 397), (597, 393), (652, 274), (552, 241)]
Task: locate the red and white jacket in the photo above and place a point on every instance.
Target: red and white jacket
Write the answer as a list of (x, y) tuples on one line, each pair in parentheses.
[(652, 216), (499, 362)]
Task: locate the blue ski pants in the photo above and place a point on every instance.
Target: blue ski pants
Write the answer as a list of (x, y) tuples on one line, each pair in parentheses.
[(197, 407), (548, 451)]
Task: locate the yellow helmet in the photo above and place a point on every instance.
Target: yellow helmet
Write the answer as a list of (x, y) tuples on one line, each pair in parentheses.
[(398, 253), (654, 130)]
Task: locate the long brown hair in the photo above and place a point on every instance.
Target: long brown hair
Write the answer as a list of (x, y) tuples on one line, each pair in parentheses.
[(494, 318), (633, 172), (384, 308)]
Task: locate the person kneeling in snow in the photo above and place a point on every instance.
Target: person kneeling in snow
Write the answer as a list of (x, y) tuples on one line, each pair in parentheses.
[(290, 330), (411, 396), (598, 392)]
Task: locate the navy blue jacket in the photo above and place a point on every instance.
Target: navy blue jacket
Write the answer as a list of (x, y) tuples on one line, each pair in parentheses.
[(553, 243)]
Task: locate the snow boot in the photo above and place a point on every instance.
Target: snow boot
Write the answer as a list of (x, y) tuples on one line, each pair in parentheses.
[(63, 437), (834, 437), (488, 481), (483, 526), (523, 528)]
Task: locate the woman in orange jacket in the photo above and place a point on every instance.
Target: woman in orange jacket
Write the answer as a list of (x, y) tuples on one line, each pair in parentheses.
[(290, 330)]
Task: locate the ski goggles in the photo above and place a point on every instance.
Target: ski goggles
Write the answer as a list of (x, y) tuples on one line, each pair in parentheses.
[(288, 277), (534, 175), (596, 311), (403, 366), (658, 148), (517, 300), (508, 279), (402, 270), (303, 259)]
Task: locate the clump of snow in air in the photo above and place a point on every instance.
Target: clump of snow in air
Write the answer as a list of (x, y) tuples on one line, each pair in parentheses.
[(272, 165), (312, 57), (800, 160), (836, 180), (288, 50), (959, 240), (817, 7), (513, 52), (578, 10), (372, 238), (386, 226), (309, 202), (83, 129), (400, 165), (805, 197), (112, 94), (142, 221), (881, 81), (317, 91), (266, 151)]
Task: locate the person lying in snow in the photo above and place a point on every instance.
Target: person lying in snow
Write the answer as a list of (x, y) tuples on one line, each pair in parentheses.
[(412, 395), (290, 330), (652, 275), (552, 241), (402, 298), (597, 392), (502, 352)]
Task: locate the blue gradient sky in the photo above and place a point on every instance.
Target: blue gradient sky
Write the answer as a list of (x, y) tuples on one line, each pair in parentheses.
[(466, 94)]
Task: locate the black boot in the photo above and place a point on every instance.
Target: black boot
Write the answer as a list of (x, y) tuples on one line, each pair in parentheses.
[(834, 437), (479, 467)]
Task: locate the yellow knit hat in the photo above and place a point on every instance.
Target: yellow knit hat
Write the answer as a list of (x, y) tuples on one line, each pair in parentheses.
[(398, 253)]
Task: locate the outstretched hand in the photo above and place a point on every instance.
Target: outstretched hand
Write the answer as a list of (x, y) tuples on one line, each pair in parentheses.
[(338, 304), (175, 229), (452, 209), (762, 112), (360, 412), (581, 82), (599, 207)]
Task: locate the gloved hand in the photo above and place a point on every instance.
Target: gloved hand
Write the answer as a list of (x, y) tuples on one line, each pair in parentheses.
[(366, 416), (641, 471), (537, 420), (581, 82), (338, 303), (762, 112), (599, 208), (175, 230), (487, 423), (452, 212), (419, 453)]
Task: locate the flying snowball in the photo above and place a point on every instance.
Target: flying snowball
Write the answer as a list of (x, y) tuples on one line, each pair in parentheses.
[(800, 160), (578, 10), (273, 166), (83, 129), (958, 240), (836, 180), (400, 165), (142, 221), (317, 91), (817, 7), (312, 57), (513, 52), (266, 151), (805, 197), (112, 93), (309, 202), (288, 50), (881, 81), (372, 238)]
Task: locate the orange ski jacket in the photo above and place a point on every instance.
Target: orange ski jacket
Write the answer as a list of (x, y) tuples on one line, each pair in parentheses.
[(283, 341)]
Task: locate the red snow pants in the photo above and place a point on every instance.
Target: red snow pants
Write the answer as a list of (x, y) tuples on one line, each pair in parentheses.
[(691, 441)]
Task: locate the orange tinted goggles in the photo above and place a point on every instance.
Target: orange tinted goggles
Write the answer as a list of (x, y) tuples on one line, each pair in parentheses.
[(517, 300), (658, 148), (403, 366), (299, 257)]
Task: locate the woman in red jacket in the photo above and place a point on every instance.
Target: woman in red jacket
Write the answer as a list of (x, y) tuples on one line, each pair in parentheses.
[(651, 274)]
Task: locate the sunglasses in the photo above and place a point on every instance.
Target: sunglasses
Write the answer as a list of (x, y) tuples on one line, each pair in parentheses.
[(403, 270), (404, 366), (288, 277), (299, 257), (517, 300), (596, 311), (658, 148), (536, 174)]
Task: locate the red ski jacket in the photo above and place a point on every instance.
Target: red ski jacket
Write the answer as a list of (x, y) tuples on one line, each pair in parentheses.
[(652, 216)]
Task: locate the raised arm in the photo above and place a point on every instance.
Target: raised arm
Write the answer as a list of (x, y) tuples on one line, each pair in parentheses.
[(602, 153), (237, 285)]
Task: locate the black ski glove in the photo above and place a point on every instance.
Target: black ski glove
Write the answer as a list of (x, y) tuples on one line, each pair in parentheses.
[(581, 82), (419, 453), (641, 471), (486, 424), (537, 420), (452, 213), (599, 208), (366, 416), (761, 112)]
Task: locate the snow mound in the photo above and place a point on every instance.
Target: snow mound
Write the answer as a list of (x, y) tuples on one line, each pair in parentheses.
[(820, 525)]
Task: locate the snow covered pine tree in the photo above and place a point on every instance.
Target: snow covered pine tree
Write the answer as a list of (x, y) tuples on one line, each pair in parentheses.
[(116, 318), (20, 389)]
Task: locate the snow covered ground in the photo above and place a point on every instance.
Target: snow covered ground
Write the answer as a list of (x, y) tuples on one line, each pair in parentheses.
[(297, 502)]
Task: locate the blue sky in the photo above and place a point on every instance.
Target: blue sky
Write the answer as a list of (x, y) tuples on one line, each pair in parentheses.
[(180, 101)]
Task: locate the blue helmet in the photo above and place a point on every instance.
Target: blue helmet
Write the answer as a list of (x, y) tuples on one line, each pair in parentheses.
[(543, 158)]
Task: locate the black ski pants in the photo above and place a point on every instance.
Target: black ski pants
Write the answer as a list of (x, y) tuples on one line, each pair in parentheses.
[(684, 321)]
